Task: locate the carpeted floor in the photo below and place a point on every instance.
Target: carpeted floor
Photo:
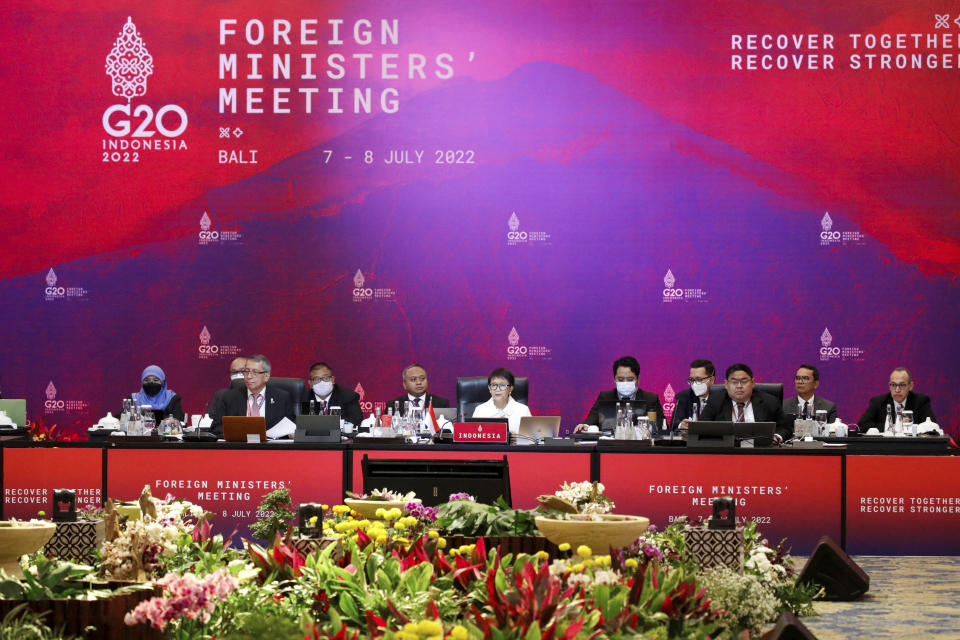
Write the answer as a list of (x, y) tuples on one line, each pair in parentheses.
[(909, 597)]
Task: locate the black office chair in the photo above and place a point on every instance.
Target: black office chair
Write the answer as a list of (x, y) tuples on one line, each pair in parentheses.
[(293, 386), (773, 388), (472, 392)]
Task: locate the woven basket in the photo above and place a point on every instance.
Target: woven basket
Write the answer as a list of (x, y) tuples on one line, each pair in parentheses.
[(610, 532)]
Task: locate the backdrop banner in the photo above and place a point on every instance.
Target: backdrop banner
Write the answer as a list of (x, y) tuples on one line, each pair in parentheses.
[(545, 186)]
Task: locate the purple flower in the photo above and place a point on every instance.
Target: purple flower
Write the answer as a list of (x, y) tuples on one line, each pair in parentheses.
[(462, 496)]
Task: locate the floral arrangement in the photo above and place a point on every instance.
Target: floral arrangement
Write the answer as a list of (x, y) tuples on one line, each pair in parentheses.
[(340, 521), (144, 545), (187, 597), (585, 498), (383, 495)]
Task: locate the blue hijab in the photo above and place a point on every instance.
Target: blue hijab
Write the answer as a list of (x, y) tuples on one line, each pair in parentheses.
[(162, 399)]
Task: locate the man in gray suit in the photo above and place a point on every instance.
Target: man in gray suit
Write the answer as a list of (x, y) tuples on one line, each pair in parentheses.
[(806, 404)]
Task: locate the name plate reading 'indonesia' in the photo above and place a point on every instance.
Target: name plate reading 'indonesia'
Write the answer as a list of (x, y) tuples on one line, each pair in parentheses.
[(480, 432)]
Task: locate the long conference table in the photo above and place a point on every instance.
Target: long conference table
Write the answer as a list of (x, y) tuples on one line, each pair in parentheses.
[(904, 503)]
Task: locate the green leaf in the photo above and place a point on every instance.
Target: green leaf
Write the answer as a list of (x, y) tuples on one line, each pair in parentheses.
[(349, 607), (533, 633)]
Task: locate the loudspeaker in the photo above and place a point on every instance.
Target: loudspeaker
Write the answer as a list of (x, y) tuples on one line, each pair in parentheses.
[(788, 627), (830, 567)]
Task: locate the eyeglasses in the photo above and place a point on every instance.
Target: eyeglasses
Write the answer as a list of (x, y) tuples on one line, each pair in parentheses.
[(693, 380), (899, 385), (237, 372), (802, 378), (252, 373), (321, 379), (740, 382), (498, 386)]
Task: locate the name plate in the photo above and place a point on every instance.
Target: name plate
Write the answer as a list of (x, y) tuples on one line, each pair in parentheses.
[(492, 432)]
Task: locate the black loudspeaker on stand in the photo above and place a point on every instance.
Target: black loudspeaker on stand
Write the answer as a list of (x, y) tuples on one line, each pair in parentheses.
[(788, 628), (830, 567)]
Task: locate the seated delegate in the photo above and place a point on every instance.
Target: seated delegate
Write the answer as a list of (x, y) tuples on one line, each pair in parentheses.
[(154, 392), (900, 398), (501, 403), (255, 399), (626, 372)]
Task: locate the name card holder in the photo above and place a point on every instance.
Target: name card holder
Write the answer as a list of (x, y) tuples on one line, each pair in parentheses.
[(481, 432)]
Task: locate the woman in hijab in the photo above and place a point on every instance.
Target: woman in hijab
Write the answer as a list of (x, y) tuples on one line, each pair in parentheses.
[(154, 392)]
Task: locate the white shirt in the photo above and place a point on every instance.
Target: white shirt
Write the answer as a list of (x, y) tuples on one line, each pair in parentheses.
[(263, 401), (512, 412), (811, 409)]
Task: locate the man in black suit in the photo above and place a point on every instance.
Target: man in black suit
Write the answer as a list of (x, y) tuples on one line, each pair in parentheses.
[(742, 403), (806, 404), (255, 399), (626, 372), (237, 367), (689, 403), (326, 393), (415, 382), (901, 398)]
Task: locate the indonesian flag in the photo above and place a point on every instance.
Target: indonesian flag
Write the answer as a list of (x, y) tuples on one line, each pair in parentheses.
[(431, 417)]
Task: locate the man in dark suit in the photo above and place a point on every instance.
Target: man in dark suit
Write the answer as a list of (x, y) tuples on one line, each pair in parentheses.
[(901, 398), (690, 402), (237, 367), (255, 399), (742, 403), (806, 404), (415, 382), (326, 393), (626, 372)]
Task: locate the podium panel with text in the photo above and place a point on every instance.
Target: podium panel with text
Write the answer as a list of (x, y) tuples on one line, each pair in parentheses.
[(794, 497), (903, 505), (230, 483), (531, 473), (31, 475)]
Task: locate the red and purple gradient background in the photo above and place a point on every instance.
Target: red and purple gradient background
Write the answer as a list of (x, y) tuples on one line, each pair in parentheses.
[(618, 128)]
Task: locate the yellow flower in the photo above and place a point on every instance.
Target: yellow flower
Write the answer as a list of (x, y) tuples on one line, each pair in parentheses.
[(399, 526), (382, 539), (465, 549), (401, 540), (379, 512), (363, 524), (632, 563), (459, 632), (584, 551), (564, 546), (441, 543), (577, 567), (324, 507), (403, 635), (313, 521), (542, 555), (433, 534), (410, 627), (455, 552), (588, 562), (603, 561), (429, 628)]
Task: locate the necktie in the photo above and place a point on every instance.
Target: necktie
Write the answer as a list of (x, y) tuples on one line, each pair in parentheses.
[(253, 406), (323, 407), (416, 402), (740, 407), (805, 405)]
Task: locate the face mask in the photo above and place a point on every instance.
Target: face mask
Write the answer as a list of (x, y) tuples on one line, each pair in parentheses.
[(152, 388), (626, 388), (699, 388), (323, 389), (236, 376)]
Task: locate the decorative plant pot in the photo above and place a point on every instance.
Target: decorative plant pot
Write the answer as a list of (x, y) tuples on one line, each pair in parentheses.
[(20, 538), (508, 544), (368, 508), (306, 546), (612, 531), (715, 547), (75, 541), (106, 614)]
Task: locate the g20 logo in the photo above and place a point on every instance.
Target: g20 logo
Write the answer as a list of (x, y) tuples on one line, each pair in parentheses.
[(55, 291), (361, 292), (168, 126), (673, 293), (518, 350), (829, 351), (829, 235), (54, 404), (516, 235), (668, 407), (210, 235), (209, 349), (366, 407)]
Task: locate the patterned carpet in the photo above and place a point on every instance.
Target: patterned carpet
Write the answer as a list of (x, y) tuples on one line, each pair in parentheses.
[(909, 597)]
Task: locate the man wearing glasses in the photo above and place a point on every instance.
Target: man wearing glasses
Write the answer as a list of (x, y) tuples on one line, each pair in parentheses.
[(742, 403), (691, 402), (255, 399), (415, 382), (806, 404), (325, 393), (901, 398)]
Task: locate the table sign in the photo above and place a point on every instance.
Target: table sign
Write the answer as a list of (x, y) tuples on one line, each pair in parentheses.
[(487, 432)]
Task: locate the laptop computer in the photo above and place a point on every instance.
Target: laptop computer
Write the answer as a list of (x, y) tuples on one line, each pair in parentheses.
[(236, 428), (317, 429), (450, 413), (16, 409), (538, 428)]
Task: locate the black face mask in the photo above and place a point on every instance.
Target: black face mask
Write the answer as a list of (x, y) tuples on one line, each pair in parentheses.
[(152, 388)]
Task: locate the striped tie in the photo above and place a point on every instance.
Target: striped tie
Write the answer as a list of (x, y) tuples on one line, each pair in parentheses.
[(740, 407)]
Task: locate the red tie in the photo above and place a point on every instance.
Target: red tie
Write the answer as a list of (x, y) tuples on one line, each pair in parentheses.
[(740, 407), (253, 407)]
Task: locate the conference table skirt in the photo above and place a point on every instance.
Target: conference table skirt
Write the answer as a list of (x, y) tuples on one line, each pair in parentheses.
[(870, 504)]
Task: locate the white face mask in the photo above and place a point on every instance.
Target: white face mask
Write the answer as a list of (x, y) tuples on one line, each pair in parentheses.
[(323, 389), (626, 388), (699, 388), (237, 376)]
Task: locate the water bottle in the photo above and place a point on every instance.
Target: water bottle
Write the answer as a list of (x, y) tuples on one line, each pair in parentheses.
[(125, 415), (628, 415), (619, 414), (888, 425), (313, 407)]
